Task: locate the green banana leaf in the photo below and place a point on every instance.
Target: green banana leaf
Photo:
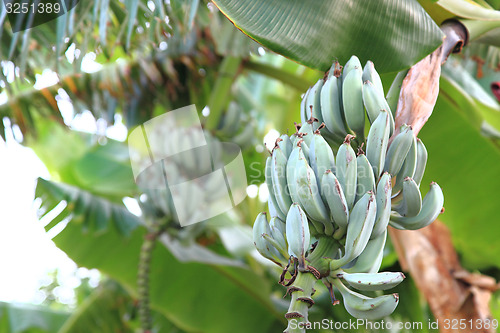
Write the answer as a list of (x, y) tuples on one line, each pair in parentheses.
[(193, 296), (103, 311), (394, 34), (27, 318)]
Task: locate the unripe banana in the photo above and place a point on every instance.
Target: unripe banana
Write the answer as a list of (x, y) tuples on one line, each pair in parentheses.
[(383, 199), (297, 233), (431, 208), (333, 195), (346, 166), (290, 172), (377, 141), (278, 223), (260, 228), (279, 162), (408, 168), (359, 229), (365, 177), (313, 105), (272, 197), (375, 102), (361, 306), (398, 150), (309, 194), (370, 74), (305, 132), (303, 110), (370, 259), (352, 98), (278, 236), (421, 162), (321, 156), (352, 63), (231, 120), (331, 106), (285, 144), (392, 96), (411, 202), (246, 136), (372, 281)]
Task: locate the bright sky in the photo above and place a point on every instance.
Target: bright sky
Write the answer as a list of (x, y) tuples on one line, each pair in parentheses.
[(26, 252)]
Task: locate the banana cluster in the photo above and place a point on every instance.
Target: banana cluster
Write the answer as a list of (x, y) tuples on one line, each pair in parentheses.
[(236, 126), (329, 210), (339, 101)]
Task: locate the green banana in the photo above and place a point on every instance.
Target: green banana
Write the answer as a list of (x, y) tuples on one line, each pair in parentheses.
[(431, 208), (303, 109), (333, 195), (290, 172), (280, 187), (246, 136), (411, 202), (365, 177), (277, 223), (359, 229), (398, 150), (298, 236), (352, 98), (346, 167), (352, 63), (231, 120), (270, 187), (375, 102), (370, 74), (383, 199), (392, 96), (277, 236), (260, 228), (421, 162), (285, 144), (309, 194), (408, 168), (313, 104), (331, 106), (305, 132), (377, 141), (370, 259), (361, 306), (321, 156), (372, 281)]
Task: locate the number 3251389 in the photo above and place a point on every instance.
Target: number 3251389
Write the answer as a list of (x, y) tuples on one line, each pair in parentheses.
[(40, 8)]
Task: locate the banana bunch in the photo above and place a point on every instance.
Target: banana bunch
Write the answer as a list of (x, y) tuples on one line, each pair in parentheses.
[(339, 100), (162, 198), (237, 126), (329, 210)]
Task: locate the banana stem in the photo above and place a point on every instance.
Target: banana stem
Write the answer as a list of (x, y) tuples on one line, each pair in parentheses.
[(326, 248), (302, 290), (143, 278), (228, 71)]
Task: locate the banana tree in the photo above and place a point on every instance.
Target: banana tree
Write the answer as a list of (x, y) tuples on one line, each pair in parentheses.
[(159, 56)]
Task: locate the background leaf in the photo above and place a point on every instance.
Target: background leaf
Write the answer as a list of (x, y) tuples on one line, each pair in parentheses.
[(394, 34)]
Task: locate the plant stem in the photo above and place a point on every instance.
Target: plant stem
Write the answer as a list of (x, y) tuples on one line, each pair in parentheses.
[(279, 74), (326, 248), (143, 278), (219, 100), (302, 290)]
